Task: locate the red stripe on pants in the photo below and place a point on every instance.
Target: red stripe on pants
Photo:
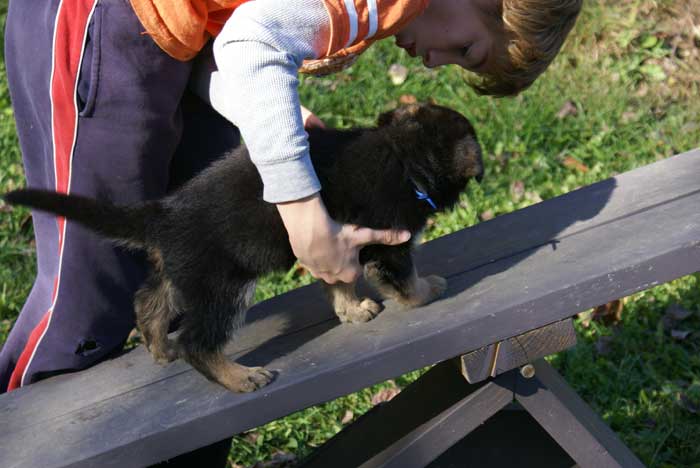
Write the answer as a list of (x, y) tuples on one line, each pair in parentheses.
[(72, 20)]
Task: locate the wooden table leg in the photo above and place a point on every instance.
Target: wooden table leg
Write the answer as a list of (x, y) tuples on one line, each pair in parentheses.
[(441, 401), (570, 421)]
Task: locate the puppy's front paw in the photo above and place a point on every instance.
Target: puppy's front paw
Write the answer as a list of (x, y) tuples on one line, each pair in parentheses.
[(246, 379), (438, 286), (257, 378), (427, 290), (359, 312)]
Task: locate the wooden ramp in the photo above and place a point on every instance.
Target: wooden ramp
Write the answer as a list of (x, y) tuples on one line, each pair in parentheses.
[(508, 276)]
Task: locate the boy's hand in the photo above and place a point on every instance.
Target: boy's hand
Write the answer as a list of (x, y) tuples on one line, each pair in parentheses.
[(327, 249)]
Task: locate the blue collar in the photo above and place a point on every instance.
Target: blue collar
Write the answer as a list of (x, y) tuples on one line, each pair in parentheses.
[(424, 196)]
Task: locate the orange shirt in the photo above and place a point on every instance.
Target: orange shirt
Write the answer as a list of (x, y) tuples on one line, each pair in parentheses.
[(182, 27)]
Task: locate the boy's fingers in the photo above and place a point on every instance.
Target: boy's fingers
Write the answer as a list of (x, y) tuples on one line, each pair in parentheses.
[(348, 275), (366, 236)]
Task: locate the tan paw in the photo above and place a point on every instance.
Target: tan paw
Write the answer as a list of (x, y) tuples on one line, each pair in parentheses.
[(164, 353), (364, 311), (427, 290), (438, 286), (251, 379)]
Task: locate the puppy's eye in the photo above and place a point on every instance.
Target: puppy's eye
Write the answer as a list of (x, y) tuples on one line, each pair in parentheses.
[(466, 50)]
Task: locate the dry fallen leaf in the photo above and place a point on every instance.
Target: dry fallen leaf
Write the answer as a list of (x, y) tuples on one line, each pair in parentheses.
[(569, 108), (573, 163), (486, 215), (610, 313), (252, 437), (347, 417), (408, 99), (517, 190), (586, 316), (398, 74), (533, 197), (629, 116), (385, 394)]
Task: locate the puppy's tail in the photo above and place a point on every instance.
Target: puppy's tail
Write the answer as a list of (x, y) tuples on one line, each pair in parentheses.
[(127, 224)]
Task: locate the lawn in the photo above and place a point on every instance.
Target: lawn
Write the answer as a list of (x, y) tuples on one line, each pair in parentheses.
[(622, 94)]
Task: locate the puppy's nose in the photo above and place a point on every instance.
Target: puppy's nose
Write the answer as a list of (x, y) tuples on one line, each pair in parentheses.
[(479, 176)]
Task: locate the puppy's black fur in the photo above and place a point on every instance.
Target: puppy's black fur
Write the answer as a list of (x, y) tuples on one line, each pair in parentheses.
[(211, 239)]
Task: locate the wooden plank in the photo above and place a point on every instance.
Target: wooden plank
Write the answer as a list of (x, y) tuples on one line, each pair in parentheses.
[(130, 412), (426, 442), (572, 423), (505, 236), (433, 393), (505, 355), (477, 366), (508, 439)]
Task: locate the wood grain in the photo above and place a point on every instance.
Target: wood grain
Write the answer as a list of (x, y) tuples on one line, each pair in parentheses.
[(506, 277)]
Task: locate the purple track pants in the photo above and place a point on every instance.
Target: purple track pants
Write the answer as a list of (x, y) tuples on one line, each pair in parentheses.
[(101, 111)]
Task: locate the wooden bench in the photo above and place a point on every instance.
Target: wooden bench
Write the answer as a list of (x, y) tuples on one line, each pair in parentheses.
[(507, 278)]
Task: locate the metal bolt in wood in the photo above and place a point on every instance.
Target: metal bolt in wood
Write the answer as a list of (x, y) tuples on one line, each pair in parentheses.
[(527, 371)]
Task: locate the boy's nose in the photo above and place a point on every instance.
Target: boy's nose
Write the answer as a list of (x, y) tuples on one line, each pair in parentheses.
[(436, 58)]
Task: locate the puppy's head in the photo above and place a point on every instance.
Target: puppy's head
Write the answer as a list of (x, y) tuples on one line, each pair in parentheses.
[(448, 153)]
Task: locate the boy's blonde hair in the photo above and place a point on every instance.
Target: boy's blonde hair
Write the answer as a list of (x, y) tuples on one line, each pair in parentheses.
[(535, 30)]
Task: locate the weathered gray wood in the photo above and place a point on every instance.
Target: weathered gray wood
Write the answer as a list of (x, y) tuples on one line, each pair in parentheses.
[(543, 224), (432, 394), (507, 276), (508, 439), (505, 355), (545, 395), (572, 423), (425, 443)]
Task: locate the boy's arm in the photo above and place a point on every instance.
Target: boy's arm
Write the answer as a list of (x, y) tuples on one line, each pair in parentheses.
[(257, 55)]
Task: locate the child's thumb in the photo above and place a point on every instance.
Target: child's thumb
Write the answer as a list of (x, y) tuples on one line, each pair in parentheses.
[(366, 236)]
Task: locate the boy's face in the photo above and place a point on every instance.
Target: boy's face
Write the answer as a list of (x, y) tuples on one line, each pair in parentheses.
[(468, 33)]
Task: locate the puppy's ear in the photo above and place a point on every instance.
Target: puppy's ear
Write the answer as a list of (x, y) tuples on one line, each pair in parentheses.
[(467, 158), (402, 115)]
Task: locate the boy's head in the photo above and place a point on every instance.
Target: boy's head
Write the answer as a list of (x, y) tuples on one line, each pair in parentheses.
[(508, 43)]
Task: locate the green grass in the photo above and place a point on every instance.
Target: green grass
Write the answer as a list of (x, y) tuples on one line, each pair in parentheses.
[(635, 91)]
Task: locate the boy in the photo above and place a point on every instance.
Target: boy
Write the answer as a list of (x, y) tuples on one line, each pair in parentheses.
[(101, 99)]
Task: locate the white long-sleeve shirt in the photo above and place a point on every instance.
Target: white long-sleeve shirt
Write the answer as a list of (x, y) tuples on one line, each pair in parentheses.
[(254, 85)]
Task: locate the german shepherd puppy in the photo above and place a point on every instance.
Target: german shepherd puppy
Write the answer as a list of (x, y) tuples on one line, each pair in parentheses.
[(209, 240)]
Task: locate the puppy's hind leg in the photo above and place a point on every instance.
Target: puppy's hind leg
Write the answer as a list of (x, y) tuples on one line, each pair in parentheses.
[(211, 316), (154, 307), (348, 307)]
